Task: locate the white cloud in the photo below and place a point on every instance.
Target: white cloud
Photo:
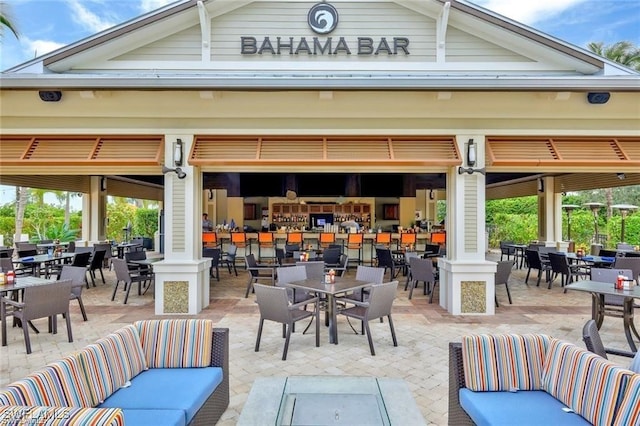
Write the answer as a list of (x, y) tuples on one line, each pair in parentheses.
[(35, 48), (149, 5), (528, 11), (84, 17)]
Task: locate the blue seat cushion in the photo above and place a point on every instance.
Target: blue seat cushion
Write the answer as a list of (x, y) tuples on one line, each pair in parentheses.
[(521, 408), (184, 389), (154, 417)]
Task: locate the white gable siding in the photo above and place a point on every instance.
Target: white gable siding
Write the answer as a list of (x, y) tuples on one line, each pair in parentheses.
[(182, 46), (465, 47)]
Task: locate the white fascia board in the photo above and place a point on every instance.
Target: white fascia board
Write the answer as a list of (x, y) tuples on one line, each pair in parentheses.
[(336, 81)]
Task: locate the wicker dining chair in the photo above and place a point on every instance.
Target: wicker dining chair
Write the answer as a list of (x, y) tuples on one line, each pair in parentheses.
[(274, 305), (257, 273), (503, 272), (40, 301), (421, 270), (123, 274), (78, 277), (377, 306)]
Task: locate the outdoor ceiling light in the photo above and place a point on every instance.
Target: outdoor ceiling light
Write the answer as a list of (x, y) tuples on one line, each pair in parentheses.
[(471, 161), (103, 184), (431, 194), (181, 174), (210, 194), (177, 153), (471, 154), (621, 176), (540, 185)]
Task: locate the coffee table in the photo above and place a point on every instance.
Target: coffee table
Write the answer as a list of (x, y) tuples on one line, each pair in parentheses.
[(330, 400)]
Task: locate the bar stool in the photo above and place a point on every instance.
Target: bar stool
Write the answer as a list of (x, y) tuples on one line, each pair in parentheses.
[(355, 242), (295, 238), (266, 241), (239, 239), (210, 240), (326, 239), (407, 240)]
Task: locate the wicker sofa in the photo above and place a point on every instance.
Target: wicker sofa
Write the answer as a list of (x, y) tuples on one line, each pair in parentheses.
[(160, 372), (537, 380)]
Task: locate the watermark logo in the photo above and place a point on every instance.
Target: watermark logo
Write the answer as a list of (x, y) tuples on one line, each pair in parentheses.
[(323, 18)]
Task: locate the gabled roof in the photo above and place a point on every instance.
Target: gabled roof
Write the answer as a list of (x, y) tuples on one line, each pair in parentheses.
[(97, 61)]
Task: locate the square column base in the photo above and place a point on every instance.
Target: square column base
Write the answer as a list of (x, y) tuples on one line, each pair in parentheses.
[(181, 286), (467, 287)]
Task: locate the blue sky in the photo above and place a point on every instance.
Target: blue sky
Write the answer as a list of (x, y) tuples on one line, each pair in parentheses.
[(45, 25)]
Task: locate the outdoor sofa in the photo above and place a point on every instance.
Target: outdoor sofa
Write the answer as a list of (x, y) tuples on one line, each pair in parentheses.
[(154, 372), (534, 379)]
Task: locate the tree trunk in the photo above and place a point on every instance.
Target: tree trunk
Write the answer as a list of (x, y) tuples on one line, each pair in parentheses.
[(608, 195), (21, 204)]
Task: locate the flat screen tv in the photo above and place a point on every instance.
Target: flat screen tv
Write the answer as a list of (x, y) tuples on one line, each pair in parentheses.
[(320, 219)]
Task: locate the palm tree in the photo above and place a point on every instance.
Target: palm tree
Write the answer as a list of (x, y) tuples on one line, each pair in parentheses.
[(5, 21), (622, 52)]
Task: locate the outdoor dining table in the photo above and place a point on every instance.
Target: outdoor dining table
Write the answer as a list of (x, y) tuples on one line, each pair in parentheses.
[(44, 247), (42, 259), (598, 290), (340, 286)]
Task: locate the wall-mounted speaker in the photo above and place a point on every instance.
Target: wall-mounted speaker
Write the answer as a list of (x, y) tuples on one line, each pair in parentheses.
[(50, 95), (598, 97)]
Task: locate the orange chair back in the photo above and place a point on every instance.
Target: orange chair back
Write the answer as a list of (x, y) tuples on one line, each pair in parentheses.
[(407, 238), (209, 239), (327, 238), (265, 239), (438, 237), (355, 240), (383, 238), (239, 239), (294, 238)]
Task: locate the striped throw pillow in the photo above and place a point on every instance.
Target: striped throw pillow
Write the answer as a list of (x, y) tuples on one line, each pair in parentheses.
[(58, 416), (125, 351), (583, 381), (629, 411), (504, 362), (176, 343), (97, 368), (11, 396), (74, 381)]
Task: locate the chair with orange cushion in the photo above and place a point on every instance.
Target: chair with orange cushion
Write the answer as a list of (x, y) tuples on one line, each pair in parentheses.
[(210, 240), (326, 239), (407, 240), (266, 243), (239, 239), (355, 242)]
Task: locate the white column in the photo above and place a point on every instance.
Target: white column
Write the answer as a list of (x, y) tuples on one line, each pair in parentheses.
[(467, 284), (182, 279), (550, 214), (97, 210)]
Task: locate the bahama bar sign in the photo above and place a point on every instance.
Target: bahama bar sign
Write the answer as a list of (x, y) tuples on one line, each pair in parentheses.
[(323, 19)]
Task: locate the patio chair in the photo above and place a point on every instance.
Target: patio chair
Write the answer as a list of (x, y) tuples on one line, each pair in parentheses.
[(315, 269), (96, 264), (560, 266), (41, 301), (214, 254), (331, 257), (534, 261), (78, 277), (377, 306), (274, 305), (290, 248), (257, 273), (421, 271), (108, 253), (136, 255), (124, 275), (631, 263), (593, 342), (370, 274), (613, 305), (503, 271), (229, 258), (290, 274), (505, 250), (386, 261)]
